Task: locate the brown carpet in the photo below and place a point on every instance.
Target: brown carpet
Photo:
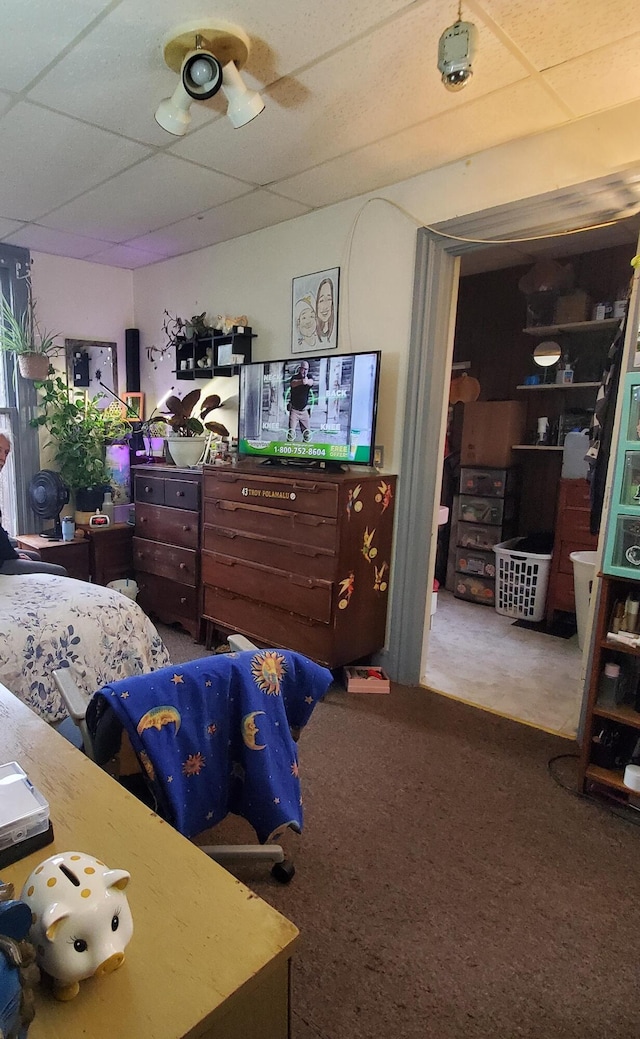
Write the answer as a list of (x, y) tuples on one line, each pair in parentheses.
[(446, 886)]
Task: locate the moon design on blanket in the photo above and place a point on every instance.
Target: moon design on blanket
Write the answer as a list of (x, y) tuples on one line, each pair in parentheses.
[(250, 730), (157, 718)]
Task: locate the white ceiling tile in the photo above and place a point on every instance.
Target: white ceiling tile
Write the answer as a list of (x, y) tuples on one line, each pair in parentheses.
[(46, 159), (521, 109), (32, 33), (154, 193), (374, 88), (123, 256), (248, 213), (601, 79), (60, 243), (554, 31)]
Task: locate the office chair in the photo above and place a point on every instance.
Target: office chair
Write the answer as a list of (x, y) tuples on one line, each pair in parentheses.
[(214, 736)]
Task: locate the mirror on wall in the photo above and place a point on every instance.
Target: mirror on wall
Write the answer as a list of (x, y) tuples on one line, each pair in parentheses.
[(91, 362)]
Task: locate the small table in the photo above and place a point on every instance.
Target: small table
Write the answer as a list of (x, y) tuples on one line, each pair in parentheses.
[(74, 555), (110, 551)]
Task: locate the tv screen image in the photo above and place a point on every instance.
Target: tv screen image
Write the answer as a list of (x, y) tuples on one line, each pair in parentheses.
[(315, 409)]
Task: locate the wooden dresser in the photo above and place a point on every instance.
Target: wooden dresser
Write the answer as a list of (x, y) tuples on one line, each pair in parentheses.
[(166, 543), (298, 559), (572, 534)]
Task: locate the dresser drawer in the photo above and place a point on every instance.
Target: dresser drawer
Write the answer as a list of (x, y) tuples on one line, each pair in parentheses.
[(176, 564), (300, 495), (576, 493), (172, 526), (564, 595), (300, 528), (306, 596), (182, 494), (271, 626), (284, 555), (565, 565), (149, 489), (576, 524), (163, 598)]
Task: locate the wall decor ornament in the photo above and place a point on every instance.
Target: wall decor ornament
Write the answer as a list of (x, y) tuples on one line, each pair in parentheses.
[(314, 311)]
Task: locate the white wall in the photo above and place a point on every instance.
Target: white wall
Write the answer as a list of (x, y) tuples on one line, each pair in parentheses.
[(373, 242), (82, 300)]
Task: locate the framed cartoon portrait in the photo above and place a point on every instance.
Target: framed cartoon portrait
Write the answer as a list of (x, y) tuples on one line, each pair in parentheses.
[(314, 312)]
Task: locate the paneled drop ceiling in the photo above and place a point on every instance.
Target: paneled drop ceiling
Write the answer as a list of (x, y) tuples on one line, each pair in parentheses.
[(353, 102)]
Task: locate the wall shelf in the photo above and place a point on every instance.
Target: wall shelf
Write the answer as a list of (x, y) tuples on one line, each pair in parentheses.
[(536, 447), (573, 326)]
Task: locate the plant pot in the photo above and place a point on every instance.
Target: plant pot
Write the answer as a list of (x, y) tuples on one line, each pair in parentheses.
[(33, 366), (186, 451), (88, 499)]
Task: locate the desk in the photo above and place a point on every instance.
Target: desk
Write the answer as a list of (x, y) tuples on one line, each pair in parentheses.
[(74, 555), (207, 958)]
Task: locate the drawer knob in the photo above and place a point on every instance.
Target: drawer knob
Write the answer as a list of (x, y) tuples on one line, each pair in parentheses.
[(185, 526), (143, 519), (183, 566), (183, 599), (179, 494), (148, 490)]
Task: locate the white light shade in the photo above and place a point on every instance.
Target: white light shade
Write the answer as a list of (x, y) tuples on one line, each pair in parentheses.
[(243, 104), (173, 113)]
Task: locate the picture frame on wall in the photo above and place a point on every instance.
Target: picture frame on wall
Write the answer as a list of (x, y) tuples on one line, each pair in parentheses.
[(314, 311), (134, 410)]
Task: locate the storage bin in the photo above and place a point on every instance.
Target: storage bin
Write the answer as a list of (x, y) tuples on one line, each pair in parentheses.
[(125, 587), (521, 581), (474, 589), (490, 511), (490, 483), (471, 561), (479, 536)]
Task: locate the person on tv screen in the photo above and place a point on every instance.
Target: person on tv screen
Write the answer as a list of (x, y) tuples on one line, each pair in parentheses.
[(325, 310), (306, 333), (299, 393)]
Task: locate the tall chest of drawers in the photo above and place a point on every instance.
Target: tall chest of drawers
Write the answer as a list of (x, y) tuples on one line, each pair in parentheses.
[(298, 561), (572, 534), (166, 543)]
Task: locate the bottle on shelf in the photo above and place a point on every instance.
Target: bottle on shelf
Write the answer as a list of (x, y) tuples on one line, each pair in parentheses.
[(609, 684), (107, 507)]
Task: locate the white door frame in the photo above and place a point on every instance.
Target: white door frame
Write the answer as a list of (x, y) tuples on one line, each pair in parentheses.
[(429, 361)]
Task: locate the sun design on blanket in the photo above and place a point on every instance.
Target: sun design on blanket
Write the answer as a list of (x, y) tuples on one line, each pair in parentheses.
[(194, 765), (268, 669)]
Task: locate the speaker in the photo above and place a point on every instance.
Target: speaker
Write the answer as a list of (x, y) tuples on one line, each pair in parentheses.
[(132, 359)]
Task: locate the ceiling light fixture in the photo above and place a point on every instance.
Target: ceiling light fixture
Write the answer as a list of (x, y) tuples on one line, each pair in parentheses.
[(456, 51), (208, 57)]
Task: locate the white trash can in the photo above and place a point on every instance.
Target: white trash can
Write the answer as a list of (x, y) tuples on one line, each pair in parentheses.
[(584, 571), (125, 587)]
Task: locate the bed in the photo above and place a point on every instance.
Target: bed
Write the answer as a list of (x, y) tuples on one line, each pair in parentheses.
[(49, 622)]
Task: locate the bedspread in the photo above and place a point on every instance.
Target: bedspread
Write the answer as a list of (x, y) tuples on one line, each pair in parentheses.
[(49, 622)]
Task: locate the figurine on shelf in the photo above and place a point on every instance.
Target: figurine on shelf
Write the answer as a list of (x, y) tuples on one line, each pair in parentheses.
[(226, 324)]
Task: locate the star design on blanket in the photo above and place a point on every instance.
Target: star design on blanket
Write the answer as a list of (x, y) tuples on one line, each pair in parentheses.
[(295, 771), (208, 683), (308, 699), (212, 729), (124, 696), (178, 679), (276, 800)]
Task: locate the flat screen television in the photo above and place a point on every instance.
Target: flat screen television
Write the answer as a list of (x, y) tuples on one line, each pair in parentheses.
[(310, 409)]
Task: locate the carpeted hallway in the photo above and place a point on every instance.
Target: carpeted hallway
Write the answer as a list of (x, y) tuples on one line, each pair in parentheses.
[(446, 886)]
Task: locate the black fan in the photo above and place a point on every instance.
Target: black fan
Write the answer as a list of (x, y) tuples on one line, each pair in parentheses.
[(48, 494)]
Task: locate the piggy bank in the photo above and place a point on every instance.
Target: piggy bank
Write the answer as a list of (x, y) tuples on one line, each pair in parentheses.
[(81, 921)]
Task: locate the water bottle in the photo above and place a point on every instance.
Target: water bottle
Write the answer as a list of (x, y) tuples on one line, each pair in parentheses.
[(107, 507), (609, 687), (68, 528)]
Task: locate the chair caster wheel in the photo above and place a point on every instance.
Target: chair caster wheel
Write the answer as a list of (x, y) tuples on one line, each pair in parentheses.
[(283, 871)]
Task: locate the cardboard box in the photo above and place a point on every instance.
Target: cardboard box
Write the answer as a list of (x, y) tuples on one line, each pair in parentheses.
[(576, 306), (489, 429)]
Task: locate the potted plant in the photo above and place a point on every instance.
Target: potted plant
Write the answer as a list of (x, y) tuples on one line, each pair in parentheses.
[(80, 431), (187, 440), (23, 336)]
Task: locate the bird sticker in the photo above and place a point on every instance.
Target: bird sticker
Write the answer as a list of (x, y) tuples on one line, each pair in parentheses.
[(384, 495), (250, 730), (157, 718), (268, 669), (369, 550), (346, 591)]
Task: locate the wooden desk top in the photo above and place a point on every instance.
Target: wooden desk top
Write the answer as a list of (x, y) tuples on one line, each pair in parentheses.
[(202, 941)]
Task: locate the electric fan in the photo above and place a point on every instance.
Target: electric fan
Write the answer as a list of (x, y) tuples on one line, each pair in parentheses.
[(48, 494)]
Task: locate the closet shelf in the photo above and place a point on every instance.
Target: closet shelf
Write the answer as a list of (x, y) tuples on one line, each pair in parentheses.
[(573, 326), (536, 447), (559, 386)]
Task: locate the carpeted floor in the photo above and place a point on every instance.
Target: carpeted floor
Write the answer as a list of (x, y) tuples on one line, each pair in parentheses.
[(446, 886)]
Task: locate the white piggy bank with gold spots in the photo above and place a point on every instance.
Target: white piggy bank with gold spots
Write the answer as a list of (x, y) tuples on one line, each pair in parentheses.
[(81, 921)]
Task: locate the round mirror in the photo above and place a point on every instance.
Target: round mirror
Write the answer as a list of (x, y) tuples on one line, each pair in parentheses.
[(547, 353)]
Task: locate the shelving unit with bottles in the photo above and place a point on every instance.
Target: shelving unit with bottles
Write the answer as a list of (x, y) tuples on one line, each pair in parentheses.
[(202, 358), (622, 544), (611, 729)]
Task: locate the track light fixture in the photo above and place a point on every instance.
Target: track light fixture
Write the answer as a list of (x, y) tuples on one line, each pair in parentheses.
[(207, 57), (456, 51)]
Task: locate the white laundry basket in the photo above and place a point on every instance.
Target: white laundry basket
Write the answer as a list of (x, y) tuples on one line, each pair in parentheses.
[(584, 570), (126, 587), (521, 581)]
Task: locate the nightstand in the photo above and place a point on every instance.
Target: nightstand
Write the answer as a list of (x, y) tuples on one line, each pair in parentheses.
[(73, 555)]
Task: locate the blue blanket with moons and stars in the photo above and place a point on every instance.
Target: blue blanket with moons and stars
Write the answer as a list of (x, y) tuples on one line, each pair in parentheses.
[(214, 735)]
